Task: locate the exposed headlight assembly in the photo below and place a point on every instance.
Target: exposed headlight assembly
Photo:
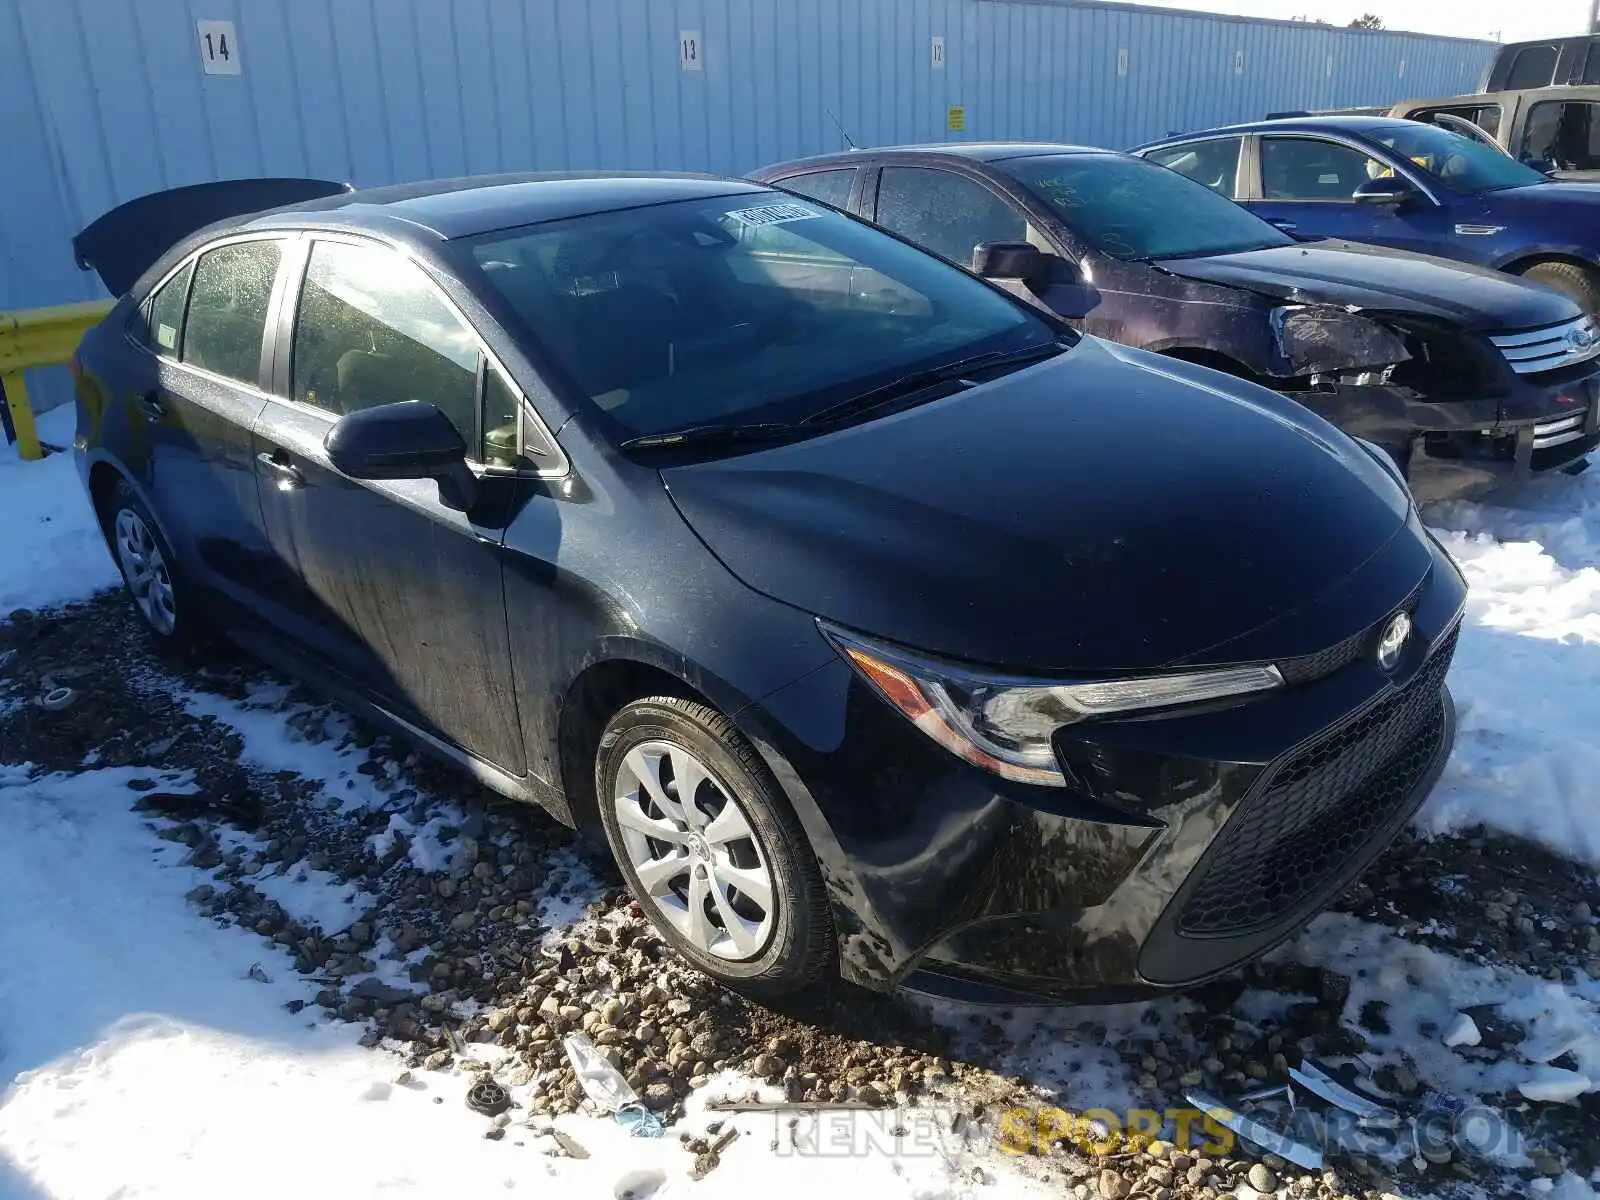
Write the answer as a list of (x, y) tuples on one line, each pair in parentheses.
[(1005, 724), (1319, 339)]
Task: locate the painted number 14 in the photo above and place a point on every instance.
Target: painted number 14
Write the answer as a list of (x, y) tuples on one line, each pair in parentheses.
[(219, 47)]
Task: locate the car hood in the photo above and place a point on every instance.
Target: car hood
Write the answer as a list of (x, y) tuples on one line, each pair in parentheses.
[(1570, 199), (1105, 510), (1349, 274)]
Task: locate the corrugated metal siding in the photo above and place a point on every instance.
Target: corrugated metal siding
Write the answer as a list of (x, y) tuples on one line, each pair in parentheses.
[(105, 100)]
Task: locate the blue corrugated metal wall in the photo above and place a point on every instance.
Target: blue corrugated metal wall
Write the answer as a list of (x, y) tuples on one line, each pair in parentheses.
[(105, 99)]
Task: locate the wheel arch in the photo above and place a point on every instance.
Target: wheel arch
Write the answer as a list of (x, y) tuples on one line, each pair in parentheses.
[(619, 672)]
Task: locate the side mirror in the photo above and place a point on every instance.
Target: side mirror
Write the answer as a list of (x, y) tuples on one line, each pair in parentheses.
[(407, 440), (1391, 190), (1007, 260)]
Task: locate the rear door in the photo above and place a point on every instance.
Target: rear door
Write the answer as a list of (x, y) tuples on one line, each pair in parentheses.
[(1305, 186), (391, 588), (204, 327)]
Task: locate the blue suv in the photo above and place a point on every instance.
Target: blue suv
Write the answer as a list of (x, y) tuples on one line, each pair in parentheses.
[(1402, 183)]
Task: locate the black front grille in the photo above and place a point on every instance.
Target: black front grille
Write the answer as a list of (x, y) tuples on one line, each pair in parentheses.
[(1319, 809)]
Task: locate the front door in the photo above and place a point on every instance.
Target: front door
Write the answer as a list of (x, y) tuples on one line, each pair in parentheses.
[(1306, 185), (393, 588)]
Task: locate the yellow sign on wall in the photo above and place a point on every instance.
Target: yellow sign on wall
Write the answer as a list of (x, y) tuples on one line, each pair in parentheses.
[(956, 119)]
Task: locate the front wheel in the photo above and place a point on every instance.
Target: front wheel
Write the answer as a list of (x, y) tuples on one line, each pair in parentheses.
[(710, 847), (1578, 282)]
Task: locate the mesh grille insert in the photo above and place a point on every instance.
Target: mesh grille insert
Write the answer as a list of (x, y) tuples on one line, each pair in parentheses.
[(1320, 808)]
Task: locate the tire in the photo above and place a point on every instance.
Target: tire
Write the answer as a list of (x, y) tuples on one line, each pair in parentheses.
[(161, 595), (1578, 282), (771, 941)]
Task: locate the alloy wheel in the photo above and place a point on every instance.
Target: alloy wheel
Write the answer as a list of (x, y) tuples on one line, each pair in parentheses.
[(145, 569), (691, 845)]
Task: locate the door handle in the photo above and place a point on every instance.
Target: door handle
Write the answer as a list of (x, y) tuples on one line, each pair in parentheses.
[(153, 406), (288, 474), (1281, 223)]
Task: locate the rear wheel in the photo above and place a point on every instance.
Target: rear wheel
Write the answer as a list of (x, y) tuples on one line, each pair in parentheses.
[(150, 570), (710, 848), (1576, 281)]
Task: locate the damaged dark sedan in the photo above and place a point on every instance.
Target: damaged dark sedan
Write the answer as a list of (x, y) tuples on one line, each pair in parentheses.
[(1467, 377), (882, 622)]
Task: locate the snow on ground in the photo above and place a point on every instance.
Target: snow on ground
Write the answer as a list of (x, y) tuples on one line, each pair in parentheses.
[(1527, 673), (52, 550)]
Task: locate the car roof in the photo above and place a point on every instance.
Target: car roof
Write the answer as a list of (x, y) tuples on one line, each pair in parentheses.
[(1356, 124), (968, 151), (474, 204)]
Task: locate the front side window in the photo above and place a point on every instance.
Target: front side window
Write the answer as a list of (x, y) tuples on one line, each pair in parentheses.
[(165, 333), (371, 329), (1562, 136), (1213, 163), (1458, 162), (1133, 209), (831, 187), (228, 309), (736, 309), (945, 212), (1312, 169)]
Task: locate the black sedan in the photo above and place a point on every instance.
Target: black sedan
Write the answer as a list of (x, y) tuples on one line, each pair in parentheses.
[(1468, 377), (882, 622)]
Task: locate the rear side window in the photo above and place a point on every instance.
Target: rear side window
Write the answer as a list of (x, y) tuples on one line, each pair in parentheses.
[(1535, 66), (371, 329), (1485, 116), (165, 333), (945, 212), (831, 187), (1214, 163), (1562, 135), (228, 309), (1591, 64)]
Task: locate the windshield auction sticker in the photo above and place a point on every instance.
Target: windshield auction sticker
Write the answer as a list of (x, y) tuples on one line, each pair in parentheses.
[(774, 214)]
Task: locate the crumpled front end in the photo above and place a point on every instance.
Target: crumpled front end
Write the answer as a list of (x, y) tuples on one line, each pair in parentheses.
[(1466, 413)]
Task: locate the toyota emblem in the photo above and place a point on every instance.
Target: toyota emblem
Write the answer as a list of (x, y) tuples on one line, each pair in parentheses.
[(1393, 641)]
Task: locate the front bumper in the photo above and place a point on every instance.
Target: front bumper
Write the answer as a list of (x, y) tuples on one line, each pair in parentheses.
[(1459, 447), (1187, 844)]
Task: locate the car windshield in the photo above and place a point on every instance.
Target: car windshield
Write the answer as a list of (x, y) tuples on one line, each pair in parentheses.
[(1456, 161), (1133, 209), (754, 307)]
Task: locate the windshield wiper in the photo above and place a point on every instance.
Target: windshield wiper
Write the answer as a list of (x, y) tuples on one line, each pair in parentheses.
[(705, 436), (917, 381)]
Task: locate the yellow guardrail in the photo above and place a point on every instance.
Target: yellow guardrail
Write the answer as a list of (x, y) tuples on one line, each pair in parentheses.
[(39, 337)]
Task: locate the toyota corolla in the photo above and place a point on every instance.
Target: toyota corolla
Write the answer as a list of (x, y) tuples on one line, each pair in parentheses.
[(883, 623)]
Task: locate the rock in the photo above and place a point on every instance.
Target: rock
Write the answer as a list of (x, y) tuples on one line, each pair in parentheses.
[(659, 1095), (607, 1035), (437, 1061), (1159, 1149), (1262, 1179), (1548, 1164), (766, 1066), (381, 993), (1113, 1186)]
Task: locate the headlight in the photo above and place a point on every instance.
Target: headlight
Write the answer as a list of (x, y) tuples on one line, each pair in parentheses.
[(1005, 724), (1316, 340)]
